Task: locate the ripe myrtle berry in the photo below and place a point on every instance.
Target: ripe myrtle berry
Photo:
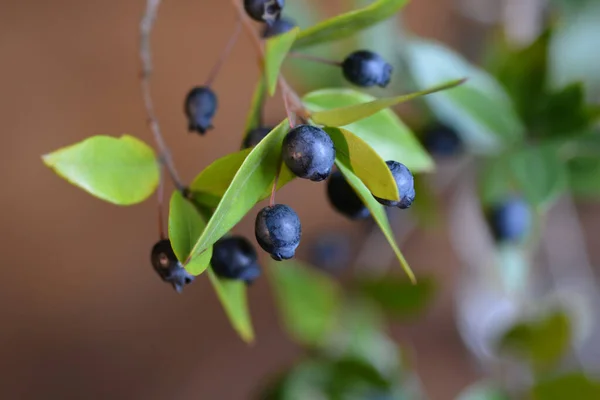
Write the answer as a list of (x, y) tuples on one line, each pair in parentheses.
[(406, 186), (256, 135), (344, 199), (167, 266), (365, 68), (510, 219), (267, 11), (278, 231), (235, 258), (441, 140), (278, 27), (200, 108), (308, 152)]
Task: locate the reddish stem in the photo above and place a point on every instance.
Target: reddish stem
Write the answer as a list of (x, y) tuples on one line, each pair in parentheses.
[(275, 183), (318, 59), (224, 54)]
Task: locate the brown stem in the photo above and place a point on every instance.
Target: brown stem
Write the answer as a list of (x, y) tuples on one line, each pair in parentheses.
[(224, 54), (146, 26), (310, 57), (288, 109), (275, 183)]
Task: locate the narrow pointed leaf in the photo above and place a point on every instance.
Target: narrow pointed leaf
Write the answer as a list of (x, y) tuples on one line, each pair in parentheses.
[(232, 295), (572, 386), (256, 106), (276, 50), (364, 162), (308, 300), (122, 170), (250, 183), (345, 25), (398, 297), (378, 213), (185, 227), (349, 114), (383, 131)]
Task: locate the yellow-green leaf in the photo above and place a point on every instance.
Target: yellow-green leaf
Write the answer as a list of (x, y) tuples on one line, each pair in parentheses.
[(122, 171), (378, 213), (346, 115), (308, 300), (383, 131), (348, 24), (232, 295), (185, 227), (364, 162), (276, 50), (252, 180)]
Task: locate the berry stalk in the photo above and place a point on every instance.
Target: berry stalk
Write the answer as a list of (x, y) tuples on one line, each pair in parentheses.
[(310, 57), (146, 25), (224, 54)]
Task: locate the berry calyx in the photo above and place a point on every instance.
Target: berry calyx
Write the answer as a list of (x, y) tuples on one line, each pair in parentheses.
[(510, 220), (267, 11), (235, 258), (344, 199), (168, 267), (200, 108), (256, 135), (365, 68), (406, 186), (278, 231), (441, 140), (309, 152), (278, 27)]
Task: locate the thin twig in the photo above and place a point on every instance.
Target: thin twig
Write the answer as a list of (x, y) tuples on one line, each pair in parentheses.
[(146, 26), (310, 57), (288, 110), (275, 183), (224, 54)]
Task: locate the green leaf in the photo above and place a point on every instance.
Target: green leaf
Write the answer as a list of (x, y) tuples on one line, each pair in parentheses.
[(563, 113), (185, 227), (398, 297), (346, 115), (378, 213), (364, 162), (574, 386), (308, 300), (482, 391), (232, 295), (346, 25), (383, 131), (276, 50), (543, 342), (584, 176), (254, 118), (252, 180), (122, 171), (480, 110)]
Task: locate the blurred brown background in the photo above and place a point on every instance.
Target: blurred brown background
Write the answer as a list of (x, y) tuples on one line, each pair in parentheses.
[(83, 315)]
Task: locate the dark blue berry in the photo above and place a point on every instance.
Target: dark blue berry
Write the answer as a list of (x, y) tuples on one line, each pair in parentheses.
[(167, 266), (278, 231), (267, 11), (365, 68), (235, 258), (200, 108), (344, 199), (406, 186), (278, 27), (256, 135), (510, 220), (308, 152), (441, 140)]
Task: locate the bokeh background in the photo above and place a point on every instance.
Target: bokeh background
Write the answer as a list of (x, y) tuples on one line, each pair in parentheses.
[(82, 313)]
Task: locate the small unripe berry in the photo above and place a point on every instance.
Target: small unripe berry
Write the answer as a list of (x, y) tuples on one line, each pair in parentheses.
[(256, 135), (441, 140), (267, 11), (406, 186), (235, 258), (309, 152), (510, 220), (200, 108), (167, 266), (365, 68), (344, 199), (278, 231), (278, 27)]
